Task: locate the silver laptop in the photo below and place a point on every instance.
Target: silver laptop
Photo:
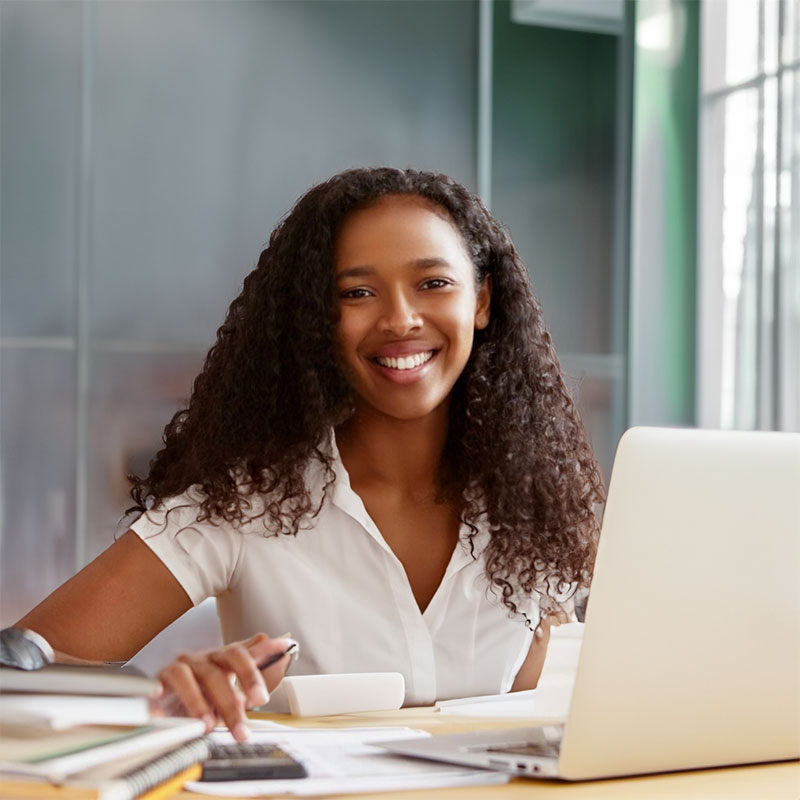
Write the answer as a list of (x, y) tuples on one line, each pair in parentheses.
[(691, 651)]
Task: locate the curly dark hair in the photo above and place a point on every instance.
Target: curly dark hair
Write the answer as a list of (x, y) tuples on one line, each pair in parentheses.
[(271, 391)]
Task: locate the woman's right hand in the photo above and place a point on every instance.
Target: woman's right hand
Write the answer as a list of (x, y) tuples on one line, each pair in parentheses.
[(222, 683)]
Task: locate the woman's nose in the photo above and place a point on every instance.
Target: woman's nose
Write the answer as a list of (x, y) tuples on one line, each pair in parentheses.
[(400, 315)]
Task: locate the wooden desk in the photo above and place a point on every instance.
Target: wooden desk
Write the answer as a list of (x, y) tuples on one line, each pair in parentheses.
[(762, 782)]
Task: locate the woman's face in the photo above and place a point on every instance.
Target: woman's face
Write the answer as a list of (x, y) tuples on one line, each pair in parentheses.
[(408, 305)]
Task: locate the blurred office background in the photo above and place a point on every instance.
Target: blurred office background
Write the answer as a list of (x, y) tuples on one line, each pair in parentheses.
[(643, 154)]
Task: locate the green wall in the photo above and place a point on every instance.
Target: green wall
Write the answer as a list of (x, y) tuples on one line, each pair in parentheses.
[(664, 223)]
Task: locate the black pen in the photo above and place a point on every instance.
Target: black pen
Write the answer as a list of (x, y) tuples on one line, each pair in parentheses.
[(275, 657)]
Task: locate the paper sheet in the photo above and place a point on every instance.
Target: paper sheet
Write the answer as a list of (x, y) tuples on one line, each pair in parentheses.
[(314, 787), (551, 698), (548, 702), (343, 760)]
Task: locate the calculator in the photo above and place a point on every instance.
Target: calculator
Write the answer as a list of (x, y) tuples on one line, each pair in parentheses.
[(244, 761)]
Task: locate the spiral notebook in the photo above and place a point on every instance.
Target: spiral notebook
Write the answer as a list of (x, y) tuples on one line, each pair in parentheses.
[(142, 774), (123, 780), (61, 755)]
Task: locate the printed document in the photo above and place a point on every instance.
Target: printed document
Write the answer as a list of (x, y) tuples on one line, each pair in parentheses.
[(344, 761)]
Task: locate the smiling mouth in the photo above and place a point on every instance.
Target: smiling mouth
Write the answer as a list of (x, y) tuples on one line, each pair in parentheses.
[(406, 362)]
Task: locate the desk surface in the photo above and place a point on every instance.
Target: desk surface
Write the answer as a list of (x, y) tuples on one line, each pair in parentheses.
[(761, 782)]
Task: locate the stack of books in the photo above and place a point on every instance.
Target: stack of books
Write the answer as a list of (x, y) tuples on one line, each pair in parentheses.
[(89, 731)]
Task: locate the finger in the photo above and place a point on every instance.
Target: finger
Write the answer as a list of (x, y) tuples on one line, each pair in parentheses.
[(555, 618), (172, 706), (183, 692), (275, 673), (236, 658), (219, 688), (255, 639), (155, 706), (261, 647)]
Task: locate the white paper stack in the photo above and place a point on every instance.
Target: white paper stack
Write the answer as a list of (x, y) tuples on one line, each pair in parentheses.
[(62, 724)]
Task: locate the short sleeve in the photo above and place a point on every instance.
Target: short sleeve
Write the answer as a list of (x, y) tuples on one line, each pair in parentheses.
[(201, 555)]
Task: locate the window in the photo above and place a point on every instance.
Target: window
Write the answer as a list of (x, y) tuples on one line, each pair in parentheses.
[(749, 232)]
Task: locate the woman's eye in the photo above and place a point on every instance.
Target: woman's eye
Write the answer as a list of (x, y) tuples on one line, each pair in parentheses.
[(355, 294), (435, 283)]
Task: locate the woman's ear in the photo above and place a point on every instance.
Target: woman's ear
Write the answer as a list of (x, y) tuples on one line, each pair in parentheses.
[(483, 305)]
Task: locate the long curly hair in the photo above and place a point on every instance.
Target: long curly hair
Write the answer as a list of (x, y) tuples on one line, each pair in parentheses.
[(271, 391)]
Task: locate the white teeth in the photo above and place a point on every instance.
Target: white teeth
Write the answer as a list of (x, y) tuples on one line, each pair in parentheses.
[(407, 362)]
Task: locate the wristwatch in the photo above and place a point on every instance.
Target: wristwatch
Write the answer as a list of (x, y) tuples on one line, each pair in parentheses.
[(23, 648)]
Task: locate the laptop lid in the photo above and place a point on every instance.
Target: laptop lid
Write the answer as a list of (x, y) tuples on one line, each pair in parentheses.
[(691, 653)]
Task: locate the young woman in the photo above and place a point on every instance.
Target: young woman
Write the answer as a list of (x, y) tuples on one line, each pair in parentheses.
[(379, 455)]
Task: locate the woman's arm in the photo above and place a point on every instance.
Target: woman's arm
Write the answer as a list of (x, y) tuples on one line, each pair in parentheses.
[(116, 604), (531, 669), (113, 607)]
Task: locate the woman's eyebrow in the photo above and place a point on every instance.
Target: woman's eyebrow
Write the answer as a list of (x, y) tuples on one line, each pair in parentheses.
[(431, 263), (419, 263), (354, 272)]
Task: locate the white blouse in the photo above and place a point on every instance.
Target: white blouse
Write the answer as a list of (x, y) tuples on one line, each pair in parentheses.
[(344, 595)]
